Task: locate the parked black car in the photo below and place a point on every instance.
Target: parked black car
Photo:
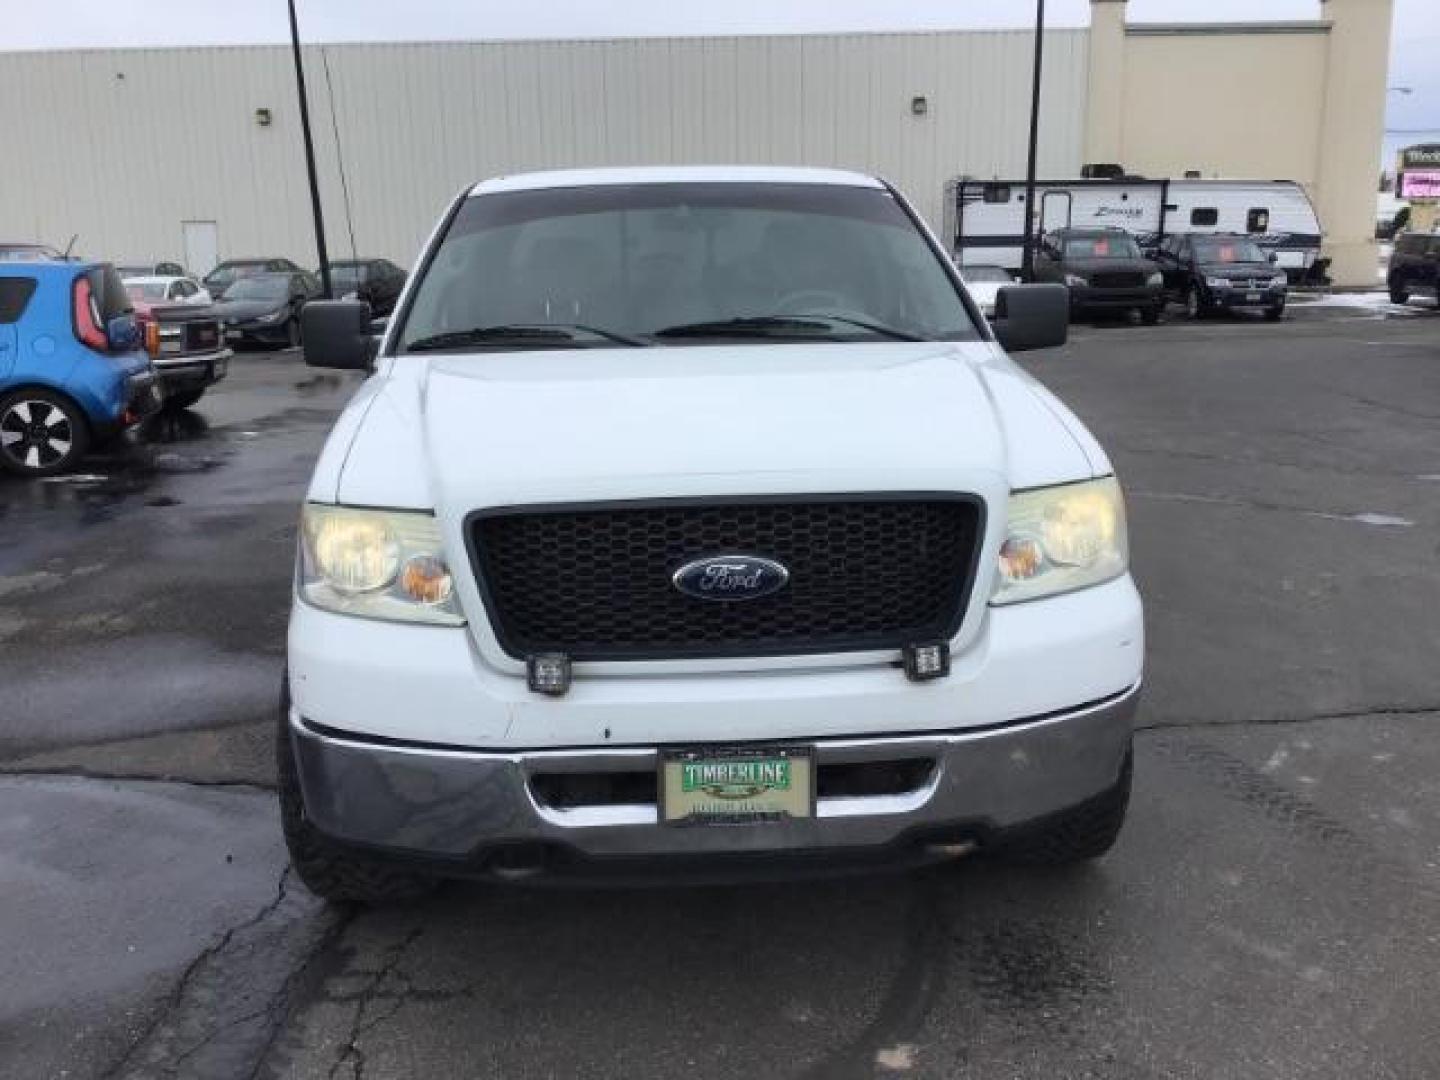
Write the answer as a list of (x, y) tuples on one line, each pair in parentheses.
[(1104, 270), (264, 309), (1414, 267), (232, 270), (1210, 272), (376, 281)]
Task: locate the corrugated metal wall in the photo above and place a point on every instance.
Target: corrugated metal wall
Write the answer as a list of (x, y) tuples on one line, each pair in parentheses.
[(123, 146)]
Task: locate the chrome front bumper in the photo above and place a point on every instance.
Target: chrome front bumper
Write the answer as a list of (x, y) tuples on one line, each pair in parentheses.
[(461, 806)]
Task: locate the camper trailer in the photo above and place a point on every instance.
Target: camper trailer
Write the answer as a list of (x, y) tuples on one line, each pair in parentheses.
[(984, 220)]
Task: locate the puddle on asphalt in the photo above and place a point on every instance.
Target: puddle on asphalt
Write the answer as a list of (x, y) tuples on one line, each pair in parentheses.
[(186, 425), (131, 465)]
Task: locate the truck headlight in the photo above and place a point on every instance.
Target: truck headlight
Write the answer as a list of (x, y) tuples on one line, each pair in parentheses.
[(1076, 281), (1155, 280), (1062, 538), (380, 564)]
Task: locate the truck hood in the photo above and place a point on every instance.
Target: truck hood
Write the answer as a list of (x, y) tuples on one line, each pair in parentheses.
[(460, 432)]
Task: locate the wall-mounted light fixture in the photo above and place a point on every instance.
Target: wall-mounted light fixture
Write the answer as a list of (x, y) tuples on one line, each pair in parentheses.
[(919, 105), (263, 117)]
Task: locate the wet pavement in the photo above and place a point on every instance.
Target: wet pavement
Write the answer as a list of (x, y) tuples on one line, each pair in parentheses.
[(1270, 911)]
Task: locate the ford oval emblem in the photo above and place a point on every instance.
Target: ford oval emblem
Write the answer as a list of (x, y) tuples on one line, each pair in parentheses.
[(731, 577)]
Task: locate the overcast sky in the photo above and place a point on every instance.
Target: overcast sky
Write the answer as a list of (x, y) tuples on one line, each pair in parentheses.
[(69, 24)]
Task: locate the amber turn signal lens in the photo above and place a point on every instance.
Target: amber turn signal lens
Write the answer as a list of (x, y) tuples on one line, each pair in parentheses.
[(1021, 557), (426, 580)]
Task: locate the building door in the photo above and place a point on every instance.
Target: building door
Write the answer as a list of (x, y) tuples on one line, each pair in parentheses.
[(202, 246)]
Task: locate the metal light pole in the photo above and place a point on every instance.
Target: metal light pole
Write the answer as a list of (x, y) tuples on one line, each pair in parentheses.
[(310, 157), (1028, 255)]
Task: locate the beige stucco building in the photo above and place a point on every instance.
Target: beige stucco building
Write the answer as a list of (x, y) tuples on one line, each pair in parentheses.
[(193, 154), (1298, 101)]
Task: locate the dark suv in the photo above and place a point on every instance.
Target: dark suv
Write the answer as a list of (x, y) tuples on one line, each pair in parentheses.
[(1414, 267), (376, 281), (1104, 270), (1210, 272)]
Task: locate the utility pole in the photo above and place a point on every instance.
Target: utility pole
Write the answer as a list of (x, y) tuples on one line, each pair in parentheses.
[(1028, 254), (328, 292)]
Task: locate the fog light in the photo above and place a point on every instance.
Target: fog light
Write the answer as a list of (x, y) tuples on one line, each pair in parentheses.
[(548, 673), (924, 662)]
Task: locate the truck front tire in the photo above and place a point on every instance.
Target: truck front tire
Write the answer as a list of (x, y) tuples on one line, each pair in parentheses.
[(1078, 834), (330, 871)]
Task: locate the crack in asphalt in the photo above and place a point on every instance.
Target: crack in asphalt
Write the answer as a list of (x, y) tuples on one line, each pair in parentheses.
[(1360, 713), (191, 970), (350, 1053), (75, 773), (283, 1004), (1389, 406)]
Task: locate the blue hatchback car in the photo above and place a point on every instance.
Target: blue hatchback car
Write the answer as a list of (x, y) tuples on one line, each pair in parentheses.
[(72, 368)]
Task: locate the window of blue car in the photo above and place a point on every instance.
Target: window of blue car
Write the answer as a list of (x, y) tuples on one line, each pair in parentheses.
[(111, 299), (15, 293)]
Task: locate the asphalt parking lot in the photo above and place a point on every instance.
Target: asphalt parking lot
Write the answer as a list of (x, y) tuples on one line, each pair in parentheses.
[(1272, 909)]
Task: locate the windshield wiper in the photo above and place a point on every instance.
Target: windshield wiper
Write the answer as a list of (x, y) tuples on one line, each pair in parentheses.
[(539, 335), (866, 324), (777, 326)]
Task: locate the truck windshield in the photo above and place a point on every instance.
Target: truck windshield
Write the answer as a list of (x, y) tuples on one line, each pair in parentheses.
[(683, 263)]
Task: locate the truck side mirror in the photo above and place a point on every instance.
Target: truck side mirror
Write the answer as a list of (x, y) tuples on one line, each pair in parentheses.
[(336, 334), (1031, 316)]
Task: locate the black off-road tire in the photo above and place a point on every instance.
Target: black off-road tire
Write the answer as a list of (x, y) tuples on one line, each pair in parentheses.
[(1150, 316), (328, 870), (1075, 835), (1275, 312)]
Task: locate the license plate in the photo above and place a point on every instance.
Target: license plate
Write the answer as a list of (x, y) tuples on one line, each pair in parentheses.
[(736, 786), (1252, 297)]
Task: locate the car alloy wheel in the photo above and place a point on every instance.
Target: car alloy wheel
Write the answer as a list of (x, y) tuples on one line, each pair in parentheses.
[(37, 435)]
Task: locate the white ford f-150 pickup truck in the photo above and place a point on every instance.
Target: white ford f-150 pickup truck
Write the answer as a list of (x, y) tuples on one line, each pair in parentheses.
[(692, 520)]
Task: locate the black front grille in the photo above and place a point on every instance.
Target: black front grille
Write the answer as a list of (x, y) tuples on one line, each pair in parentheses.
[(594, 581), (1117, 279)]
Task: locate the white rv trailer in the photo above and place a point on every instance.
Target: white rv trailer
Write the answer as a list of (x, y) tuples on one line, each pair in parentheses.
[(984, 220)]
